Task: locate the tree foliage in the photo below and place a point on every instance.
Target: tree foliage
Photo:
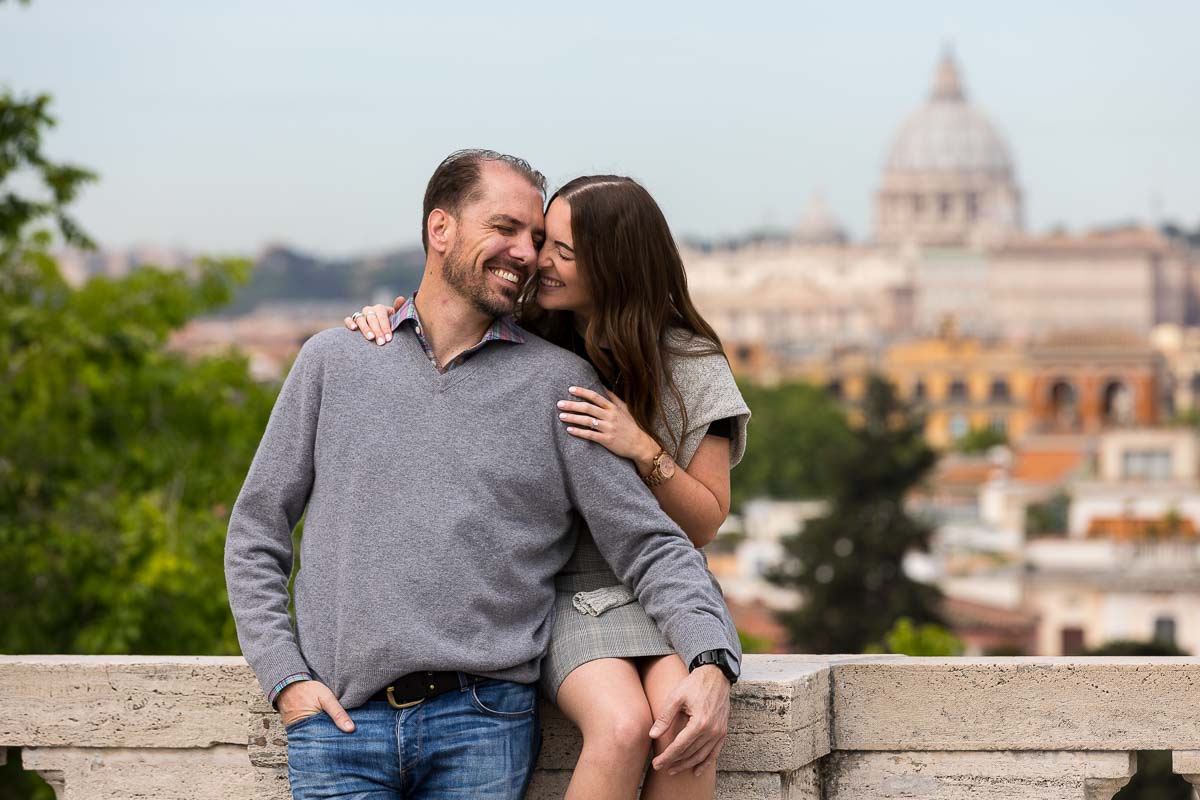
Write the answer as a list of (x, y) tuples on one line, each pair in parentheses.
[(980, 440), (847, 565), (1133, 647), (793, 430), (119, 462), (908, 639), (23, 123), (1049, 516)]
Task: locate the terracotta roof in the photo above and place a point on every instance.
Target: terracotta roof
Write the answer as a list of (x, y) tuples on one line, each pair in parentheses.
[(1134, 528), (1046, 466), (963, 473)]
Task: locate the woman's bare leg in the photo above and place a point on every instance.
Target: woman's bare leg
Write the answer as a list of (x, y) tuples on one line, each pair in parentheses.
[(660, 676), (605, 699)]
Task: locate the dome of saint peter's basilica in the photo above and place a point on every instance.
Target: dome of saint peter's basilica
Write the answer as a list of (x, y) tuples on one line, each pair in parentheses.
[(949, 178)]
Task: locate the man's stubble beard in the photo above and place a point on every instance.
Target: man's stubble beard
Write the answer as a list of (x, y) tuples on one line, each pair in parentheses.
[(461, 276)]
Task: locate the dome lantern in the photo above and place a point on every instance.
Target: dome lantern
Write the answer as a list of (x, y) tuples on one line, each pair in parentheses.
[(947, 86)]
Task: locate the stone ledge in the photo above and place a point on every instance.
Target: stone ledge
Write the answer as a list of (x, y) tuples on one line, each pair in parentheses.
[(802, 727), (1018, 704), (126, 701)]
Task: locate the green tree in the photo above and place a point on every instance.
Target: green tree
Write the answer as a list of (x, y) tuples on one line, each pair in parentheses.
[(23, 122), (980, 440), (1049, 516), (908, 639), (119, 462), (1130, 647), (792, 430), (847, 565)]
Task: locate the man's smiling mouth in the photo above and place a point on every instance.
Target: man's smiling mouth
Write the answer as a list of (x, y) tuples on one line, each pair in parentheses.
[(507, 275)]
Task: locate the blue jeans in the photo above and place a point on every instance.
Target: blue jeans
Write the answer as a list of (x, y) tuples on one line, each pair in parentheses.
[(478, 742)]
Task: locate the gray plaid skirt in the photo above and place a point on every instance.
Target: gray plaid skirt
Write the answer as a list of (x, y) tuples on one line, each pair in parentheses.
[(576, 638)]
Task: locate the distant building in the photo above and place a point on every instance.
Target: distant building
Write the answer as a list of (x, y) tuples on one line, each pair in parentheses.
[(1179, 347), (1127, 564), (1085, 381), (1071, 382), (963, 384), (949, 246), (949, 178), (1125, 279), (1124, 562)]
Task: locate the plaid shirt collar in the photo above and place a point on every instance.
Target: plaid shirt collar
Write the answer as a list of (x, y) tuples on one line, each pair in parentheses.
[(503, 329)]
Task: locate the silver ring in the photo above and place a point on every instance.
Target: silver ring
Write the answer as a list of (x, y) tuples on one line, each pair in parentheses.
[(595, 423), (356, 315)]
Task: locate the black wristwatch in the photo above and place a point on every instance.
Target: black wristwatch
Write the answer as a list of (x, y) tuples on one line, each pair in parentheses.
[(719, 658)]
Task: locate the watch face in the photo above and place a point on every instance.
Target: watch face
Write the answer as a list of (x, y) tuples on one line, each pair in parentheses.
[(667, 467)]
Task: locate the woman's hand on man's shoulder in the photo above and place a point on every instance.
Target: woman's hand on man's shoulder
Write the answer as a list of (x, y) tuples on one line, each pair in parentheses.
[(374, 322)]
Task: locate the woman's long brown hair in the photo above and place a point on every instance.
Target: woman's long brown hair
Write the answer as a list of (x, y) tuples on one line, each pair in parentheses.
[(626, 254)]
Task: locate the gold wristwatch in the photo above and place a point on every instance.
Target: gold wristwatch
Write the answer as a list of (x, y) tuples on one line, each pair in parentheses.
[(664, 469)]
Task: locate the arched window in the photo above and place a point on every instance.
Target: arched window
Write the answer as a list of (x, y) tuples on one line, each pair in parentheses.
[(998, 391), (957, 393), (1117, 403), (1064, 404)]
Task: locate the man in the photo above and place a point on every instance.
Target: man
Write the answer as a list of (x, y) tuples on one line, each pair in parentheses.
[(426, 586)]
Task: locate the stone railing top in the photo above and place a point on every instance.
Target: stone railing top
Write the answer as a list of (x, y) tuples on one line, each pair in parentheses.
[(787, 711)]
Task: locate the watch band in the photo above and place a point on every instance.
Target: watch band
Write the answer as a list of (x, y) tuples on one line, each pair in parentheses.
[(717, 658), (656, 476)]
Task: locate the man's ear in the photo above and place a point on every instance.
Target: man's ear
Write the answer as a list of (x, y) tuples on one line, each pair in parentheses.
[(440, 228)]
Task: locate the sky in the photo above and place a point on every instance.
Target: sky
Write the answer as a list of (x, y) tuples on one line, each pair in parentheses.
[(223, 126)]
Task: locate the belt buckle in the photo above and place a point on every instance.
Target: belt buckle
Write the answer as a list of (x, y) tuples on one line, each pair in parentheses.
[(392, 700)]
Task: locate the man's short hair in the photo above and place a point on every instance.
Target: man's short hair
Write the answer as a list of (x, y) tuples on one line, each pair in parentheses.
[(456, 182)]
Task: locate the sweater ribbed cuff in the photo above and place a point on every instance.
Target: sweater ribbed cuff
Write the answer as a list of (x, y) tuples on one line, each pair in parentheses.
[(276, 666), (699, 635)]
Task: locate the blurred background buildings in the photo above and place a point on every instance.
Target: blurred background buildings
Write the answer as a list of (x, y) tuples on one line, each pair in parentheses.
[(1074, 350)]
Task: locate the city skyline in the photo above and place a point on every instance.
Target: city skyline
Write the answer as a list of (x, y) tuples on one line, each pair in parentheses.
[(226, 128)]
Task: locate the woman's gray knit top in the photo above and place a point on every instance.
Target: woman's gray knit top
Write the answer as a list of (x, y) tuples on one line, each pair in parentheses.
[(709, 393)]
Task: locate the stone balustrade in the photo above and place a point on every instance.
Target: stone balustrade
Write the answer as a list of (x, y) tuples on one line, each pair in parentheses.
[(802, 727)]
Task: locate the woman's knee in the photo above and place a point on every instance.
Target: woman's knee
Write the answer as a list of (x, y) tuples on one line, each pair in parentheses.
[(621, 731)]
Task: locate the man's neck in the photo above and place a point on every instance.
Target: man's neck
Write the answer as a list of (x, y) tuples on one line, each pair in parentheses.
[(449, 323)]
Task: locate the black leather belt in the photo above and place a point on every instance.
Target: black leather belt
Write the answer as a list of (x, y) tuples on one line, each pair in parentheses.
[(417, 687)]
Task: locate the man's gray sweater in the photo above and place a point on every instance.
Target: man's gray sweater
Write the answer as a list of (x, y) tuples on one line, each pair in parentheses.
[(439, 508)]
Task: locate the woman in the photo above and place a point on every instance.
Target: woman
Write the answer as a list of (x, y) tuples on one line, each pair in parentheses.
[(611, 287)]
